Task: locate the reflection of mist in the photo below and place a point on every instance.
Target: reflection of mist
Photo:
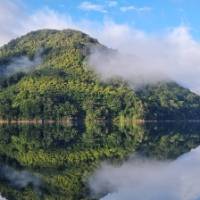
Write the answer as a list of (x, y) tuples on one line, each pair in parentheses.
[(2, 198), (150, 180), (19, 179)]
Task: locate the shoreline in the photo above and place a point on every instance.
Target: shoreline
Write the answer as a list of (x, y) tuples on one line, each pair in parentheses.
[(35, 121), (70, 121)]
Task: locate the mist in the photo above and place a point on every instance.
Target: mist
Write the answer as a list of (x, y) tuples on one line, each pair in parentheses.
[(145, 179), (2, 198), (129, 67), (147, 59), (22, 64)]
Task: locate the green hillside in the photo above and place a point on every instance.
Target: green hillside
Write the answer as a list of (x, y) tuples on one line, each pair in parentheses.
[(61, 86), (169, 101)]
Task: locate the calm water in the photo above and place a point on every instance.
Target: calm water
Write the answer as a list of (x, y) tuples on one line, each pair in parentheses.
[(55, 161)]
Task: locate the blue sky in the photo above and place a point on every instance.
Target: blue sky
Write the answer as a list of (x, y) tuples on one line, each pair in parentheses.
[(153, 15), (164, 35)]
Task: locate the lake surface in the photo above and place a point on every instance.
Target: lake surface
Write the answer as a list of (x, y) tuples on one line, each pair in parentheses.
[(57, 161)]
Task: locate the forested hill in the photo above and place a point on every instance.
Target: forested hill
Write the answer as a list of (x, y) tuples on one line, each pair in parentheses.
[(44, 75), (169, 101)]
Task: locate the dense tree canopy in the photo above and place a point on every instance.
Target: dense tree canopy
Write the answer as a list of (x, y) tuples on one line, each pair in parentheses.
[(60, 85), (169, 101)]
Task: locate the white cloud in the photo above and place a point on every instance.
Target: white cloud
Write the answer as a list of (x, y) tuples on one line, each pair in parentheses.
[(14, 20), (171, 55), (47, 18), (10, 20), (150, 180), (89, 6), (147, 58), (134, 8)]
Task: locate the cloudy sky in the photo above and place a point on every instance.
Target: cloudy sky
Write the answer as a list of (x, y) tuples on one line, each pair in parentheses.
[(153, 16), (160, 37)]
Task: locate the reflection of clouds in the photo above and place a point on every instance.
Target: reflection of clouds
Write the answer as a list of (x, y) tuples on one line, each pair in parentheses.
[(2, 198), (150, 180)]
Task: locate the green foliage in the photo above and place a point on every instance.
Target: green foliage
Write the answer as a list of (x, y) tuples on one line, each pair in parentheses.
[(169, 101), (62, 86), (63, 157)]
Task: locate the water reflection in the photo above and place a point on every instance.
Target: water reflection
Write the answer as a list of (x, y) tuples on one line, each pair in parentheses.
[(19, 179), (62, 157), (170, 140), (147, 179)]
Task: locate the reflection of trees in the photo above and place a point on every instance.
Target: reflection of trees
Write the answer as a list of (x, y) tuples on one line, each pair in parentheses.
[(169, 140), (63, 156)]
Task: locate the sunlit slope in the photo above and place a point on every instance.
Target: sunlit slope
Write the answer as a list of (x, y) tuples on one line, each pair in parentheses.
[(44, 75), (62, 85)]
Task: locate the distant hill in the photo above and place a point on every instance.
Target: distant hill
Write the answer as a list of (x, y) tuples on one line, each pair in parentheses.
[(44, 75), (169, 101)]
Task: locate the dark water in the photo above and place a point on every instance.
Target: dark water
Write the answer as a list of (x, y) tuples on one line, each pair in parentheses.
[(55, 161)]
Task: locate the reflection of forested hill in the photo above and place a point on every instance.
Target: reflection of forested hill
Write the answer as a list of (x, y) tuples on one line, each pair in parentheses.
[(62, 157), (169, 140)]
